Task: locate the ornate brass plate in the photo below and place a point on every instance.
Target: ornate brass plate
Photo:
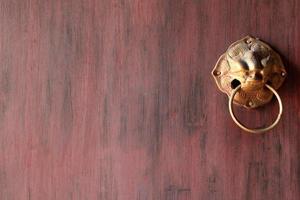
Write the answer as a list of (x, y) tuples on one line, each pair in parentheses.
[(252, 64)]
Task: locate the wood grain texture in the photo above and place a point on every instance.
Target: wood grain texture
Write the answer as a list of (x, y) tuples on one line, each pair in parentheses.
[(113, 100)]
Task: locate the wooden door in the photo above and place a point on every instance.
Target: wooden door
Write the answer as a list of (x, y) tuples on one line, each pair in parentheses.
[(114, 100)]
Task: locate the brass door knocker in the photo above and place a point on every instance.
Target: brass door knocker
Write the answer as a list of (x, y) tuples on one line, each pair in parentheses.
[(250, 72)]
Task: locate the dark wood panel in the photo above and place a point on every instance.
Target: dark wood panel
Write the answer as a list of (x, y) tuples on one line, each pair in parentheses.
[(113, 99)]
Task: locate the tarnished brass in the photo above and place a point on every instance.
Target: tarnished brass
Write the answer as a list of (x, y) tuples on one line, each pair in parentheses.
[(251, 63), (250, 72), (255, 130)]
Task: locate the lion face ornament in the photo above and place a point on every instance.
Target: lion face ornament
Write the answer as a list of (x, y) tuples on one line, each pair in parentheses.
[(252, 64)]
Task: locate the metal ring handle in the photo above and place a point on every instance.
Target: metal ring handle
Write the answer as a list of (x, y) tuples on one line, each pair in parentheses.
[(257, 130)]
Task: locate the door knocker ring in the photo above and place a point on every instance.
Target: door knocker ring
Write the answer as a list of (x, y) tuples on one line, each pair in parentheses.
[(250, 72)]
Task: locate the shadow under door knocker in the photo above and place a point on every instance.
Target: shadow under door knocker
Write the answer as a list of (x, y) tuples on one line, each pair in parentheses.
[(250, 72)]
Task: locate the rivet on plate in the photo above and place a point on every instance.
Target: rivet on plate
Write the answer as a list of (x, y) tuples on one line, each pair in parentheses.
[(250, 103), (217, 73)]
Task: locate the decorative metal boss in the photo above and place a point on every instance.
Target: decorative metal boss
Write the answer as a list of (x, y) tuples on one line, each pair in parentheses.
[(250, 72)]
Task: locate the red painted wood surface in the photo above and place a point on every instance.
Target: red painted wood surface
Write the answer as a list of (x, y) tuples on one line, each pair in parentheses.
[(113, 100)]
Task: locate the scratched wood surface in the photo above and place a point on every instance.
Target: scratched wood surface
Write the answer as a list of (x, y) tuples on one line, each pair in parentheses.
[(113, 100)]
